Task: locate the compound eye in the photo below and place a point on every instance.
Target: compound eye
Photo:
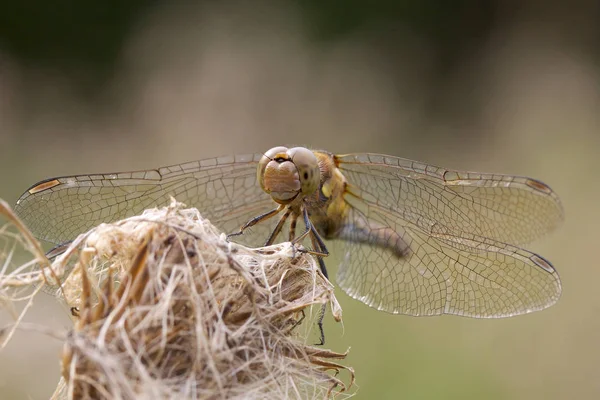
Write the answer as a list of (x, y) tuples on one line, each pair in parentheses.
[(278, 175), (308, 169), (269, 156)]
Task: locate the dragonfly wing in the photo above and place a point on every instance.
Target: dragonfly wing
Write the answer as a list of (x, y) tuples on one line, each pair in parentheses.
[(223, 189), (505, 208), (439, 273), (421, 240)]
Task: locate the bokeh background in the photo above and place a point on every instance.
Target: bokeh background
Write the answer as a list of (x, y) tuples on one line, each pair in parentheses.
[(496, 86)]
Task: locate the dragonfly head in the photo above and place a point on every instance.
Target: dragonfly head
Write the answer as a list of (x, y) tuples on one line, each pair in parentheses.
[(285, 173)]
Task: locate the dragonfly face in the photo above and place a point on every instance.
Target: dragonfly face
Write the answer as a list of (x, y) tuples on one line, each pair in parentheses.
[(416, 239), (286, 173)]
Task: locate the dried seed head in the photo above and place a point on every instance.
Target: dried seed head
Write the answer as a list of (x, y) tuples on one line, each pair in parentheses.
[(168, 309)]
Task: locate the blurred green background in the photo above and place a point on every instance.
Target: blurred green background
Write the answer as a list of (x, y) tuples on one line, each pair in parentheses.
[(498, 86)]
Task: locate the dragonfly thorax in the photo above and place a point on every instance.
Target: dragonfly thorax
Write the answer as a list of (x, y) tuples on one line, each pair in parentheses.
[(287, 173)]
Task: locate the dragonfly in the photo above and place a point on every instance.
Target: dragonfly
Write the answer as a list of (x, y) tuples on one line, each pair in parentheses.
[(414, 238)]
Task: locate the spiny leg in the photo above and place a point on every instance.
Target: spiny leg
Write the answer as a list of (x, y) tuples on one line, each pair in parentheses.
[(310, 228), (320, 325), (295, 324), (277, 229), (256, 220), (319, 246), (293, 223)]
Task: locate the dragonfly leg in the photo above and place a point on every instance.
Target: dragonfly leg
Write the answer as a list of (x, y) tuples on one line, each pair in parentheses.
[(320, 325), (277, 229), (319, 246), (323, 306), (320, 250), (256, 220), (307, 224), (310, 230), (297, 323), (293, 222)]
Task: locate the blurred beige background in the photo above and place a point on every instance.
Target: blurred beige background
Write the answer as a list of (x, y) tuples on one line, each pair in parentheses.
[(196, 82)]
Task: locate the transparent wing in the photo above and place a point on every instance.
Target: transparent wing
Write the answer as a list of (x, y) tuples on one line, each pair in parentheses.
[(505, 208), (450, 228), (223, 189)]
